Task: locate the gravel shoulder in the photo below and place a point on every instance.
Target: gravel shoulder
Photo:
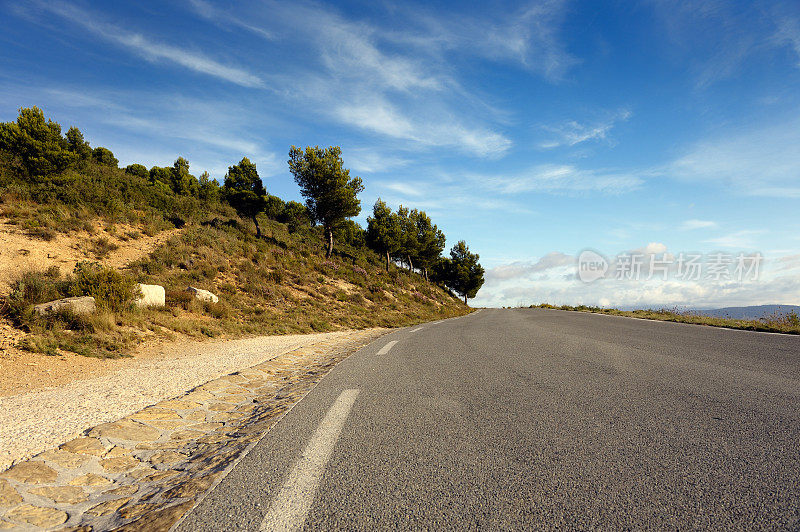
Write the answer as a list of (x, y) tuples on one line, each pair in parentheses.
[(34, 421)]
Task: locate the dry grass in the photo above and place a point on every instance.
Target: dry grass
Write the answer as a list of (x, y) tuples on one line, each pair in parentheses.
[(781, 323)]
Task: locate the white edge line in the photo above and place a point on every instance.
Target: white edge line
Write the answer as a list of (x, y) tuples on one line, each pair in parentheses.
[(250, 446), (385, 349), (227, 470), (289, 509)]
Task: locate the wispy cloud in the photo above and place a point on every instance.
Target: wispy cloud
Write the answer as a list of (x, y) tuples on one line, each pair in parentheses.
[(225, 19), (571, 133), (698, 224), (528, 36), (756, 162), (717, 39), (561, 179), (380, 79), (372, 160), (788, 33), (737, 240), (522, 269), (218, 132), (405, 189), (149, 49)]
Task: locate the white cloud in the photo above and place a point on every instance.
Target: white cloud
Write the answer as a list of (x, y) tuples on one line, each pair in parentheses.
[(519, 269), (527, 36), (218, 133), (572, 132), (406, 189), (653, 248), (788, 34), (151, 50), (757, 162), (562, 179), (525, 283), (698, 224), (737, 240), (225, 19), (359, 75), (372, 160)]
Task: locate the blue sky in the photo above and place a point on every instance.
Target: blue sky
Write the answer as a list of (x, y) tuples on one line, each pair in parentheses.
[(532, 130)]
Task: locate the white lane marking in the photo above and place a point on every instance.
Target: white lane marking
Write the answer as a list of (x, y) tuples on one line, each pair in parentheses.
[(385, 349), (290, 508), (415, 330)]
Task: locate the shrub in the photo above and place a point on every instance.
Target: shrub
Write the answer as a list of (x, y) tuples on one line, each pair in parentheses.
[(32, 288), (110, 288), (103, 156), (179, 298), (103, 246), (139, 170), (276, 276)]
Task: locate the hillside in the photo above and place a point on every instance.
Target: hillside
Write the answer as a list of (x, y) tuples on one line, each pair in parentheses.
[(91, 228)]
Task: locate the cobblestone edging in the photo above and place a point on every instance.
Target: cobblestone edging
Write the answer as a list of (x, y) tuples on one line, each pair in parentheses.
[(145, 471)]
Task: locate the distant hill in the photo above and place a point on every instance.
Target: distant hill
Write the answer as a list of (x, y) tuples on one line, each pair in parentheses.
[(749, 313)]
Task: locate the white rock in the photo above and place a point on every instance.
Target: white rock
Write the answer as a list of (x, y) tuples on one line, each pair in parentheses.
[(203, 295), (153, 295), (76, 305)]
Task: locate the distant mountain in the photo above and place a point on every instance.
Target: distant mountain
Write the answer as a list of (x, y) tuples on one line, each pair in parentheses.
[(748, 313)]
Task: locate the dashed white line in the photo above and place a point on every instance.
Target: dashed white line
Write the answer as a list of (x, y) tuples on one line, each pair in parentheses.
[(290, 508), (417, 329), (385, 349)]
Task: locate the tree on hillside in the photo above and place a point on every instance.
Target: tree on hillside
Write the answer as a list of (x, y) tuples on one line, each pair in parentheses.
[(36, 143), (208, 188), (137, 169), (383, 231), (463, 274), (295, 215), (351, 234), (182, 181), (104, 157), (161, 176), (409, 245), (331, 194), (430, 242), (77, 145), (275, 207), (245, 192)]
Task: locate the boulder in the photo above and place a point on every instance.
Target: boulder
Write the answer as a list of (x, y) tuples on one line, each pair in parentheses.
[(153, 295), (76, 305), (202, 295)]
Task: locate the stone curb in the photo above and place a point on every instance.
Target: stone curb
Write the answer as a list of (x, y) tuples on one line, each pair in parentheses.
[(145, 471)]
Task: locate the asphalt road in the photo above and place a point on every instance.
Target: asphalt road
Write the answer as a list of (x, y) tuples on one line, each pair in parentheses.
[(529, 418)]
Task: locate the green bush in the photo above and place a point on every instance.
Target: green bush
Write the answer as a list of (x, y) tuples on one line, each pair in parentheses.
[(138, 170), (111, 289), (32, 288), (104, 156)]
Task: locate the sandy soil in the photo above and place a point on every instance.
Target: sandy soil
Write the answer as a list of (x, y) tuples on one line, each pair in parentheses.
[(84, 392), (19, 252)]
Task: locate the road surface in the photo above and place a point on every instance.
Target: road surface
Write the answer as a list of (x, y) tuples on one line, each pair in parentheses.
[(532, 418)]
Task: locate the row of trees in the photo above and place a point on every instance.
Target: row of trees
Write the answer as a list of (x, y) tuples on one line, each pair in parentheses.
[(407, 236)]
